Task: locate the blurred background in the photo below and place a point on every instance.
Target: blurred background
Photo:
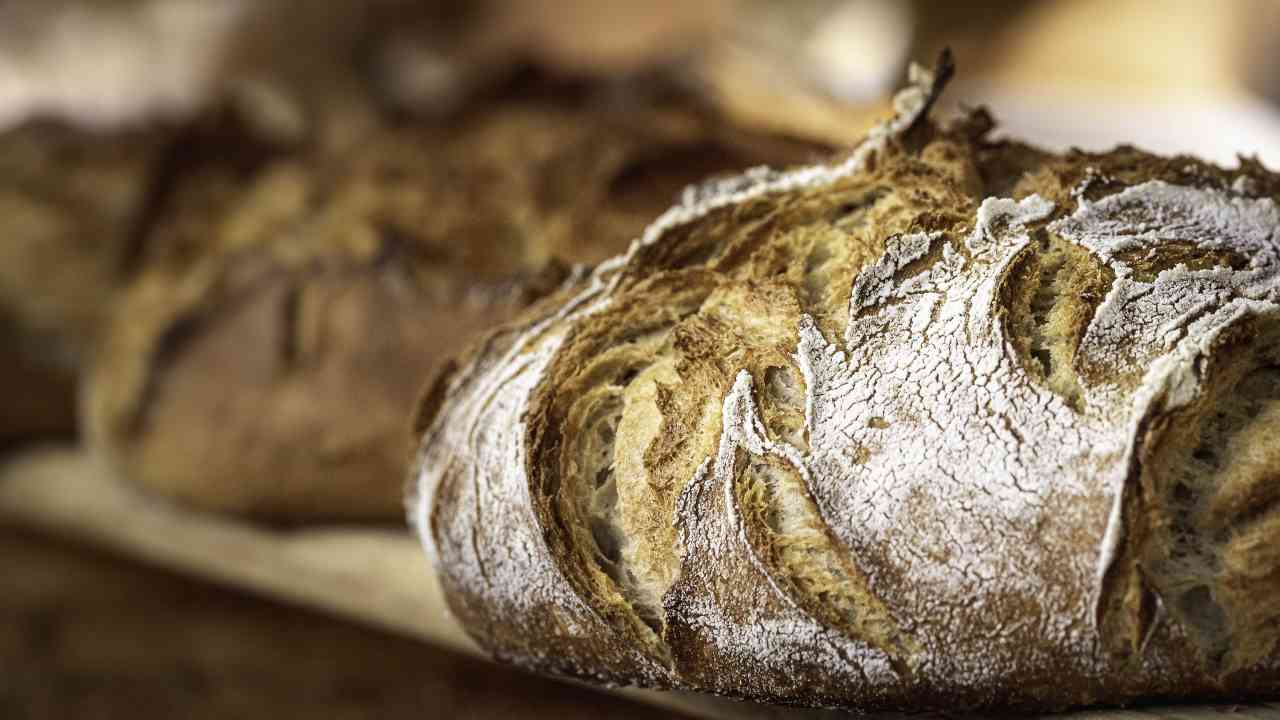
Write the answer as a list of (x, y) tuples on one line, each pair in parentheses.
[(237, 236), (1074, 71)]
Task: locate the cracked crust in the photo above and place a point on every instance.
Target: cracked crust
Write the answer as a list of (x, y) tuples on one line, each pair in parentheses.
[(899, 431), (272, 372)]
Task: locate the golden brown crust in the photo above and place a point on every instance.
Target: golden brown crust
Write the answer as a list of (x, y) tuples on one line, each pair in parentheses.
[(861, 435)]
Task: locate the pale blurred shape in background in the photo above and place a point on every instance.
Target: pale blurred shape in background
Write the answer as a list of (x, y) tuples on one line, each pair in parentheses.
[(107, 63), (860, 47), (1177, 76), (855, 50)]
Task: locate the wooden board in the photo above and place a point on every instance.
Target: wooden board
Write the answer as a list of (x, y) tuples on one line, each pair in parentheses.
[(374, 576)]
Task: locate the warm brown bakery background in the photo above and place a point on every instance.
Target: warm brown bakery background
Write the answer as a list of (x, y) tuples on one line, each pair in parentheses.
[(92, 92)]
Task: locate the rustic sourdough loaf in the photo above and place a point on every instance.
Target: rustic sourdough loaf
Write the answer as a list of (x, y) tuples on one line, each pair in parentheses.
[(274, 374), (946, 423)]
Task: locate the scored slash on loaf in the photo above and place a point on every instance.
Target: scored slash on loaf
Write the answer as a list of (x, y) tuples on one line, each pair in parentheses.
[(950, 422)]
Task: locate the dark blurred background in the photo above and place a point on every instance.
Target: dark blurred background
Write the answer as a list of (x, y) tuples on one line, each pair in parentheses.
[(310, 84)]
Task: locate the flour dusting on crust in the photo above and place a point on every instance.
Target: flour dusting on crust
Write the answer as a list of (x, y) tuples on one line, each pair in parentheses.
[(981, 508), (1164, 325)]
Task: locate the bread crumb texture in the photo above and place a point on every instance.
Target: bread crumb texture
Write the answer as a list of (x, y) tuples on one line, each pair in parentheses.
[(947, 423)]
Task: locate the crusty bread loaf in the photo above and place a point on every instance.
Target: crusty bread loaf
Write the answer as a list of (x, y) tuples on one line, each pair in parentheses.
[(947, 423), (276, 375)]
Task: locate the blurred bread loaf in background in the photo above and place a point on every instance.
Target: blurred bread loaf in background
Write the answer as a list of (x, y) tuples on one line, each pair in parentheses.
[(274, 375), (184, 104)]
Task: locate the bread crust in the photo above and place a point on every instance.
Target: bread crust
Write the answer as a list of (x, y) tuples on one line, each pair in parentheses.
[(866, 435)]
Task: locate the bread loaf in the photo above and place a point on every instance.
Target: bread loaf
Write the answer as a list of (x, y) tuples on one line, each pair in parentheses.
[(946, 423), (276, 376)]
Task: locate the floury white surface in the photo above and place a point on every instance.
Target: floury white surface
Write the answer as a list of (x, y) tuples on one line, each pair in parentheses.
[(1002, 465)]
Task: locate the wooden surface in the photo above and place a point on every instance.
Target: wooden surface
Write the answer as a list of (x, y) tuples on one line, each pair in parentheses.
[(85, 634), (376, 577)]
